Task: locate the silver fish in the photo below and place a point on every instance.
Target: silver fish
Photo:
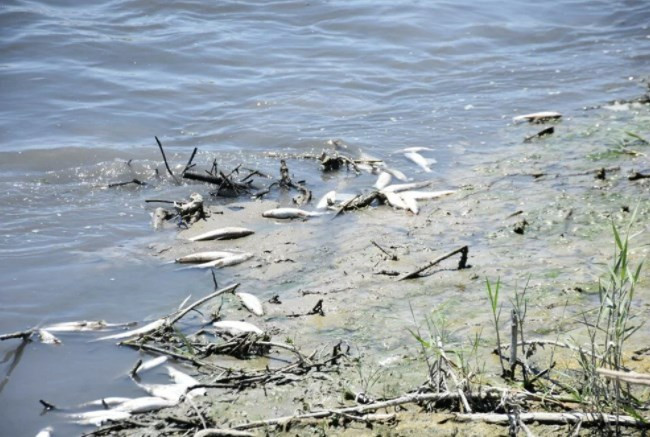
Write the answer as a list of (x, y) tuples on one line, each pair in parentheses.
[(396, 188), (426, 195), (171, 392), (228, 233), (395, 200), (396, 174), (99, 417), (234, 327), (416, 150), (251, 303), (144, 404), (226, 262), (202, 257), (45, 432), (411, 203), (144, 330), (47, 338), (84, 325), (185, 380), (420, 160), (151, 364), (537, 117), (289, 213), (327, 200), (383, 180)]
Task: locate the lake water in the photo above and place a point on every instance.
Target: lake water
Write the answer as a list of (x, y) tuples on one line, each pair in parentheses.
[(84, 89)]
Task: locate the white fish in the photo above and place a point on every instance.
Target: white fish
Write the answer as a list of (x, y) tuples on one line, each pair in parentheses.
[(537, 117), (420, 160), (327, 200), (84, 325), (227, 262), (365, 167), (222, 234), (416, 150), (144, 330), (289, 213), (144, 404), (99, 417), (251, 303), (150, 364), (186, 381), (47, 338), (45, 432), (171, 392), (426, 195), (411, 202), (202, 257), (396, 174), (383, 180), (234, 327), (396, 188), (395, 200), (109, 401)]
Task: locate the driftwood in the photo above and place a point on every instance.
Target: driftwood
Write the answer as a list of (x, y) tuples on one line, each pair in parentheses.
[(586, 419), (637, 176), (25, 335), (121, 184), (462, 263), (162, 151), (540, 134), (631, 377)]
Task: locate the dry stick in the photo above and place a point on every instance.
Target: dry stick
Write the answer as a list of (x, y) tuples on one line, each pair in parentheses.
[(187, 166), (22, 334), (552, 343), (463, 399), (219, 432), (196, 362), (169, 170), (120, 184), (173, 202), (134, 370), (631, 377), (392, 257), (182, 313), (636, 176), (462, 264), (196, 410), (513, 342), (554, 419)]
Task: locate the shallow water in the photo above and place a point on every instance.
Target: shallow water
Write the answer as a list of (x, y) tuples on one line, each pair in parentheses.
[(85, 89)]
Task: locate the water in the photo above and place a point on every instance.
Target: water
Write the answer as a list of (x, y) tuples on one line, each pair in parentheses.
[(85, 88)]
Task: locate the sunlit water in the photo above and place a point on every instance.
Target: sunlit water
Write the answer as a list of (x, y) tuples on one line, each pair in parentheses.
[(84, 89)]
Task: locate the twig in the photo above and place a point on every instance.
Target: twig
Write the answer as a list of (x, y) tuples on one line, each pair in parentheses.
[(636, 176), (181, 314), (586, 419), (198, 413), (173, 202), (120, 184), (552, 343), (631, 377), (135, 368), (462, 264), (169, 170), (392, 257), (187, 166), (540, 134), (22, 334)]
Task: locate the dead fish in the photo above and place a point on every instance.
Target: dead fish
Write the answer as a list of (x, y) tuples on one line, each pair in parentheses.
[(47, 338), (103, 402), (98, 418), (151, 364), (411, 203), (229, 233), (84, 325), (537, 117), (234, 327), (251, 303), (420, 160), (395, 200), (171, 392), (327, 200), (144, 330), (426, 195), (416, 150), (289, 213), (144, 404), (226, 262), (396, 174), (185, 380), (396, 188), (45, 432), (383, 180), (202, 257)]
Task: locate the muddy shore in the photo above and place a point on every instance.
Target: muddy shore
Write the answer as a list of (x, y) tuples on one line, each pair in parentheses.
[(563, 249)]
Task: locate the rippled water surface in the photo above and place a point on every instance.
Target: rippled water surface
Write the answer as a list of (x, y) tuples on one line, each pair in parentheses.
[(84, 89)]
